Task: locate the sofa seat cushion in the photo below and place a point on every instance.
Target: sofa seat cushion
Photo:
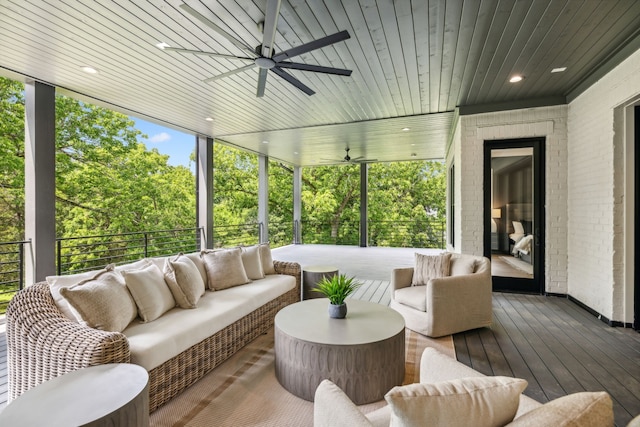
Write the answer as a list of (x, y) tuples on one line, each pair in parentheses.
[(413, 296), (154, 343)]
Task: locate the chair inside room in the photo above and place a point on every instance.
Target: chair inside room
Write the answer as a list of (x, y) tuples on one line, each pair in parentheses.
[(442, 301)]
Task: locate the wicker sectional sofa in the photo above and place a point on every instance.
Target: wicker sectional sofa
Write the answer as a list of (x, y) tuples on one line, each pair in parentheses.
[(44, 343)]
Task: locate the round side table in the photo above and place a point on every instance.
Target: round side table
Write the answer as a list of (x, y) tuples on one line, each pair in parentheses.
[(313, 274), (104, 395)]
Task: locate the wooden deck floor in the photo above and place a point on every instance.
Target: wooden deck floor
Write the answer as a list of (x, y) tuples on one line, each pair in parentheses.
[(555, 345)]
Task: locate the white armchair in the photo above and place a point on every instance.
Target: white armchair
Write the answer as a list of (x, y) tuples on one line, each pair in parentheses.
[(446, 305)]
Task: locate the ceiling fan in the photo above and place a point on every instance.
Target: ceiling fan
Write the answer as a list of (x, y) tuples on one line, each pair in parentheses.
[(348, 159), (264, 56)]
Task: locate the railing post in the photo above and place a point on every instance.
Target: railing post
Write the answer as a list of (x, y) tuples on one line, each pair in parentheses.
[(59, 257), (21, 265), (146, 245)]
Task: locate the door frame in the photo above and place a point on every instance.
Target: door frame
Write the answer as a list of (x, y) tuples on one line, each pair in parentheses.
[(636, 214), (514, 284)]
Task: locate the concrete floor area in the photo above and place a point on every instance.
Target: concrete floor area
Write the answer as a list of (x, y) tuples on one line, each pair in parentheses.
[(372, 263)]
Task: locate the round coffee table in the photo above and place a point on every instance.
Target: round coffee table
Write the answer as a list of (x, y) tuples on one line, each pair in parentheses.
[(363, 354), (102, 395)]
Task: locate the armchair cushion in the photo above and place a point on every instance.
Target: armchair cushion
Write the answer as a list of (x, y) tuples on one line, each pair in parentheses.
[(488, 401), (413, 296), (429, 267), (333, 408)]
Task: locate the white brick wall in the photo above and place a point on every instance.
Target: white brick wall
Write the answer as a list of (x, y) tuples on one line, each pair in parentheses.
[(549, 122), (596, 163)]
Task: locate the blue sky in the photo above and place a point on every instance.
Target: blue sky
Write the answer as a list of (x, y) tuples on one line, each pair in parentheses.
[(177, 145)]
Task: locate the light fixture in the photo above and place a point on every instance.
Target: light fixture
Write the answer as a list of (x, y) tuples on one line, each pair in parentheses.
[(89, 69), (496, 213), (265, 142), (414, 155), (558, 70), (406, 129), (162, 45), (517, 78), (209, 119)]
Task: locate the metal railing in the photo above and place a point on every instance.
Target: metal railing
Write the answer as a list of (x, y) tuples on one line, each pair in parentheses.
[(424, 233), (11, 270), (78, 254)]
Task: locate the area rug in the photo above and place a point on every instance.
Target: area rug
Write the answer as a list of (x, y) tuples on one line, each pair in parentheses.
[(244, 391)]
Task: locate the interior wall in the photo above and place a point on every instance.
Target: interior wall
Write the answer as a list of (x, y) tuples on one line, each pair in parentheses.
[(548, 122), (596, 192)]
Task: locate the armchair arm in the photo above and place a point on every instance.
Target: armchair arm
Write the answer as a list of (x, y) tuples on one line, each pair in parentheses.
[(290, 268), (401, 278), (43, 344), (459, 303)]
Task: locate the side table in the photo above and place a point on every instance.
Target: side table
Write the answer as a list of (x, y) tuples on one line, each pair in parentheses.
[(313, 274), (115, 394)]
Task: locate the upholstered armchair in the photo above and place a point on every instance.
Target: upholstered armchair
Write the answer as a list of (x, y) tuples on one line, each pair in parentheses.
[(446, 305)]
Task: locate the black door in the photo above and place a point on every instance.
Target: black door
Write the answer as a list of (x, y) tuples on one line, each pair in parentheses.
[(514, 232)]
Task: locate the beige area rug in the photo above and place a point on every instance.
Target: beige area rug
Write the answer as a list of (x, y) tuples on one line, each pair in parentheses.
[(244, 391)]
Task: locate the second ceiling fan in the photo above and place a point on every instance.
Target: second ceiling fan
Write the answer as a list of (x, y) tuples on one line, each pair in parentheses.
[(264, 56)]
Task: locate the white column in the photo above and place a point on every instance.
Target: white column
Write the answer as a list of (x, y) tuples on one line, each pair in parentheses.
[(204, 189), (40, 178), (297, 205), (364, 200), (263, 197)]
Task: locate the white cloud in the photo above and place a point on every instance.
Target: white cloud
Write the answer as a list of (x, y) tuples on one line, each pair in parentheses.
[(160, 137)]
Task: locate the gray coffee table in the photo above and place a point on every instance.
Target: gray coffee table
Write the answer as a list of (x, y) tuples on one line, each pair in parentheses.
[(363, 354)]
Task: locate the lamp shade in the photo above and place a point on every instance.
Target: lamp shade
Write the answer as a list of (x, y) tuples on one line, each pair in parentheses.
[(496, 213)]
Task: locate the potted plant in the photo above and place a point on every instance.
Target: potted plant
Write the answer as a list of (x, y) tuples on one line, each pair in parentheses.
[(337, 288)]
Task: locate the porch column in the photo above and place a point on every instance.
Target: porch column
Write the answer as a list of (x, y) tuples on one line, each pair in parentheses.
[(263, 197), (204, 190), (40, 181), (364, 214), (297, 205)]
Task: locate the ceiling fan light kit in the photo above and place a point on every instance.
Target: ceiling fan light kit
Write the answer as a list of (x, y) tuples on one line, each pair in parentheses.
[(264, 56)]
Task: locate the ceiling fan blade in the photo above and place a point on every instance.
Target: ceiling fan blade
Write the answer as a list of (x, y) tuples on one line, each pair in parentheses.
[(308, 47), (262, 82), (270, 26), (199, 52), (229, 73), (355, 159), (314, 68), (206, 21), (297, 83)]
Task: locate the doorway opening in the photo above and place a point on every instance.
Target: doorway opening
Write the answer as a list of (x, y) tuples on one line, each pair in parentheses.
[(514, 214)]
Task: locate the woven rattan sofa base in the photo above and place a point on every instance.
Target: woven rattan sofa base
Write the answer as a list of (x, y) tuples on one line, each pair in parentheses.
[(43, 344), (175, 375)]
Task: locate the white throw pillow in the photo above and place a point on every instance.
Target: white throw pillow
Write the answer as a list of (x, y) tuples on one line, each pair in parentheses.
[(266, 259), (184, 280), (333, 408), (103, 302), (517, 227), (477, 401), (197, 260), (224, 268), (251, 262), (460, 265), (585, 409), (429, 267), (150, 292)]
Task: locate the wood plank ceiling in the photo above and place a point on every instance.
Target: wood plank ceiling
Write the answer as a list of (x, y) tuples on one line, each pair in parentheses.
[(414, 62)]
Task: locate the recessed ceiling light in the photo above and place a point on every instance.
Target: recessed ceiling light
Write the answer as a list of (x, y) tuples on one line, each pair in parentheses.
[(89, 69), (209, 119), (406, 129), (516, 79), (265, 142), (162, 45), (295, 152), (558, 70)]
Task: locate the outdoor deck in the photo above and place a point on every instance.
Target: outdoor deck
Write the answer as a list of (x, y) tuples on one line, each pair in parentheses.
[(555, 345)]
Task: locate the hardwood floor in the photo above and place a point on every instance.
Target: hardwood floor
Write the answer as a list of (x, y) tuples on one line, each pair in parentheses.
[(559, 348)]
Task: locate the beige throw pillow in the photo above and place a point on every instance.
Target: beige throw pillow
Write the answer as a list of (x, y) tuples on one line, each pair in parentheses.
[(224, 268), (477, 401), (56, 283), (251, 262), (586, 409), (429, 267), (266, 260), (184, 280), (103, 302), (460, 265), (333, 408), (150, 292)]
